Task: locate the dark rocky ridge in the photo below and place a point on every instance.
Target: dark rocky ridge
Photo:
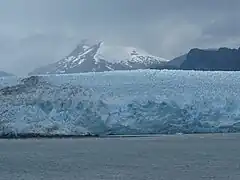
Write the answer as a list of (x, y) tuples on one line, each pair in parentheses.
[(222, 59)]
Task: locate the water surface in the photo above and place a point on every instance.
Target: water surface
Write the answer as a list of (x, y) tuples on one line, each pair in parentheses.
[(187, 157)]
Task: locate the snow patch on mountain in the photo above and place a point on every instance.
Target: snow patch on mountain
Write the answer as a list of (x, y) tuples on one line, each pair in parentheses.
[(118, 54)]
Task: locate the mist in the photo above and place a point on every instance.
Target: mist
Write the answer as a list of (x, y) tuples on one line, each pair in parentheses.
[(38, 32)]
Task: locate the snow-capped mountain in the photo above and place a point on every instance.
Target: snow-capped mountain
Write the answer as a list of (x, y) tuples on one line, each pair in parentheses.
[(99, 57)]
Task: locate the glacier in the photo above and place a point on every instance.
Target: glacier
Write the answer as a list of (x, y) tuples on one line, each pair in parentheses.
[(121, 102)]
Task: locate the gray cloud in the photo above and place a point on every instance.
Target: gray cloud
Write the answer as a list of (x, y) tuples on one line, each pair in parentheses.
[(38, 32)]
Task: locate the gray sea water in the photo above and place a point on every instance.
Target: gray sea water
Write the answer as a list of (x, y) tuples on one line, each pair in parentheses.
[(178, 157)]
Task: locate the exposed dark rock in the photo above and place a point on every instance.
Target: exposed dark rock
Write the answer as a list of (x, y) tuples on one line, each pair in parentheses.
[(25, 86), (36, 135), (31, 81), (222, 59)]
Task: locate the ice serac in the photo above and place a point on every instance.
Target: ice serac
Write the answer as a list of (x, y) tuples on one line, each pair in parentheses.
[(100, 57), (121, 102)]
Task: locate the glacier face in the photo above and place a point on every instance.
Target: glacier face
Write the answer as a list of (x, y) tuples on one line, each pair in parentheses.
[(121, 102)]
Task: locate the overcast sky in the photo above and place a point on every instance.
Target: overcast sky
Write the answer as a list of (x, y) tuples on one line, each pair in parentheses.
[(38, 32)]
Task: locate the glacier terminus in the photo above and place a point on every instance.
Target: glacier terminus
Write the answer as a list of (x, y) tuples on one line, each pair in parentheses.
[(121, 102)]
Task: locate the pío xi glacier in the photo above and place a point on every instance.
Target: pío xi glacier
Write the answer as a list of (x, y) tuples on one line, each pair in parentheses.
[(121, 102)]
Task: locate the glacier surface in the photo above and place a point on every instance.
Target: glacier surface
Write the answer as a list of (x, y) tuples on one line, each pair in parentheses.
[(121, 102)]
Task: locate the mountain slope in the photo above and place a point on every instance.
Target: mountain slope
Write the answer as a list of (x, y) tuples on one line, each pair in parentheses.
[(4, 74), (177, 62), (222, 59), (101, 57)]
